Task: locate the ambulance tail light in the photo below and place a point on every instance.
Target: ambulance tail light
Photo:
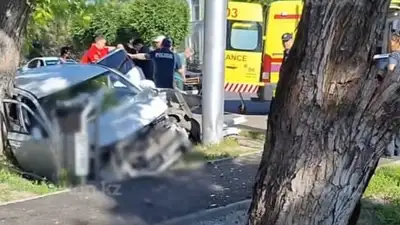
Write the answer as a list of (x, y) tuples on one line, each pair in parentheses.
[(266, 73)]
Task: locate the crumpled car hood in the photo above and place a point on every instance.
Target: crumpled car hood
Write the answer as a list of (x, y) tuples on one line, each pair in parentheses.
[(126, 119)]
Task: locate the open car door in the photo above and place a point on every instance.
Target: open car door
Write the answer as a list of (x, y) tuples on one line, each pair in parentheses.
[(120, 61), (28, 138)]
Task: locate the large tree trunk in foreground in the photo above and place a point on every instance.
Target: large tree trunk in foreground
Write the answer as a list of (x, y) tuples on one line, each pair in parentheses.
[(330, 121), (13, 20)]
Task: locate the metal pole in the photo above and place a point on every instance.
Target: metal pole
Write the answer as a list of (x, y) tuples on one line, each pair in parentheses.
[(214, 70)]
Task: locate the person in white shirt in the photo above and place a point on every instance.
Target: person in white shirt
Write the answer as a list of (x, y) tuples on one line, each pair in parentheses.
[(157, 42)]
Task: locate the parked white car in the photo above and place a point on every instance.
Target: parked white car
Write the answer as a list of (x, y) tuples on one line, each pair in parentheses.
[(43, 61)]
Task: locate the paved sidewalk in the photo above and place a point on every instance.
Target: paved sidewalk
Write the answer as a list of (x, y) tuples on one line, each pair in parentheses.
[(143, 201)]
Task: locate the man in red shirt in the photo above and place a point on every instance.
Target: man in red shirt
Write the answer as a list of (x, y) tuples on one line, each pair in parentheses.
[(97, 51)]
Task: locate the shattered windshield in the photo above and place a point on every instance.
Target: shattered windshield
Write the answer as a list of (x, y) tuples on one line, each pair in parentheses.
[(117, 90)]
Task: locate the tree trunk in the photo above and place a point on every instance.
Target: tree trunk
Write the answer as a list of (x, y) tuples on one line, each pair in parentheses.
[(13, 19), (331, 119)]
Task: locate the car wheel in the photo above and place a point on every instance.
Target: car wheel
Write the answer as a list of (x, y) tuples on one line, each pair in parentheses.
[(195, 131)]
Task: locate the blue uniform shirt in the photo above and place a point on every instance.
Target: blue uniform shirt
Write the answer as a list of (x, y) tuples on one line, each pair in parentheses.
[(166, 64)]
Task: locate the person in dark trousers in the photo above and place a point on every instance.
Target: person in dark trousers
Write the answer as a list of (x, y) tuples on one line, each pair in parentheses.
[(147, 66), (287, 42), (166, 63)]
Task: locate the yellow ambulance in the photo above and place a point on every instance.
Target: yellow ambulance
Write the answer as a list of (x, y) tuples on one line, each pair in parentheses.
[(244, 46), (282, 17), (254, 50)]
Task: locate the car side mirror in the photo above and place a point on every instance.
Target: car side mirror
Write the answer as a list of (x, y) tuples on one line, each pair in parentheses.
[(23, 69), (147, 84)]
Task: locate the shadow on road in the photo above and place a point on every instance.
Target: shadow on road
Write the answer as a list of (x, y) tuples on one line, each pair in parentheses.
[(253, 108), (142, 201)]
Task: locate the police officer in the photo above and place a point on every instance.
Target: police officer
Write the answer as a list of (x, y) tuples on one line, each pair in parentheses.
[(287, 42), (166, 63)]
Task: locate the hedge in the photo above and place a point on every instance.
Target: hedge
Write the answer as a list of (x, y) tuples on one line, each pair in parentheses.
[(120, 21)]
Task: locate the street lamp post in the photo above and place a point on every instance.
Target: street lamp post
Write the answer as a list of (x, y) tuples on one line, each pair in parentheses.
[(214, 70)]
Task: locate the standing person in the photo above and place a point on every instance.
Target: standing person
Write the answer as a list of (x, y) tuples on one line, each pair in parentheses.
[(188, 54), (157, 42), (98, 50), (184, 58), (65, 54), (166, 63), (394, 67), (147, 66), (129, 48), (287, 42), (394, 57)]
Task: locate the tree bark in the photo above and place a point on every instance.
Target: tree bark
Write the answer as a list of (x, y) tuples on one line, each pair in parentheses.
[(13, 19), (331, 119)]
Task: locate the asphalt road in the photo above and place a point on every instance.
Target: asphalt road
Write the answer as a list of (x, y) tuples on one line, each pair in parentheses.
[(256, 115), (143, 201)]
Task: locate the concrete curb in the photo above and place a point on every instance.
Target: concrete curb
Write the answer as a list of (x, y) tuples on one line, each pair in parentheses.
[(232, 158), (208, 214), (389, 162), (35, 197), (235, 121)]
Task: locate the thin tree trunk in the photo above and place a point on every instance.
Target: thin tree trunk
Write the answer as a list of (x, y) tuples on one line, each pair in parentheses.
[(331, 119), (13, 20)]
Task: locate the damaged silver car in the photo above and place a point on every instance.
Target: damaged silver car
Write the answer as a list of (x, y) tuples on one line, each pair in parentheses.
[(131, 135)]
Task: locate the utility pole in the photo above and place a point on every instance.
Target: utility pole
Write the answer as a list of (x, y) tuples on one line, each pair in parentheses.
[(214, 70)]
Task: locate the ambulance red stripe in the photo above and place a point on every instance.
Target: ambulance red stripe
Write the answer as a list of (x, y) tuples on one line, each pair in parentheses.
[(242, 88), (287, 16)]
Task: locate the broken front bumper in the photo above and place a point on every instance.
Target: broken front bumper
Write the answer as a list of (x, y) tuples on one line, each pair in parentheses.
[(152, 150)]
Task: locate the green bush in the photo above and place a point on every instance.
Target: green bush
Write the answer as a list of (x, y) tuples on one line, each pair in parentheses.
[(49, 27), (120, 21)]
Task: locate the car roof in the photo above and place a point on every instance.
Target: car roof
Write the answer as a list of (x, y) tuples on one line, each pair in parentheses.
[(45, 81), (47, 58)]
